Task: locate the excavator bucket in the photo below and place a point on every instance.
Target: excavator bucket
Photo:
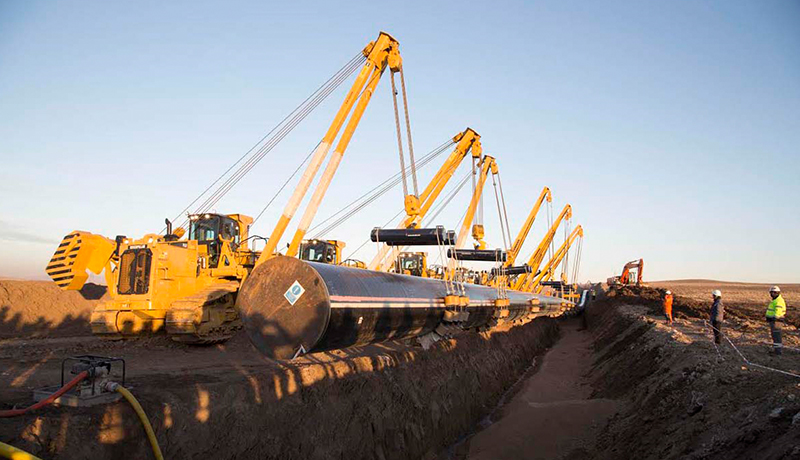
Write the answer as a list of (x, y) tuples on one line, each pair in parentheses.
[(78, 252)]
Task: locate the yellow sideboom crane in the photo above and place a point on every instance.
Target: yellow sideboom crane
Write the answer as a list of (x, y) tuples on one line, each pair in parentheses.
[(417, 208), (516, 247), (188, 286), (487, 165), (535, 260), (535, 284)]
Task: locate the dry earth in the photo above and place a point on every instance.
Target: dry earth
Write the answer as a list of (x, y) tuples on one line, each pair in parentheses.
[(623, 386)]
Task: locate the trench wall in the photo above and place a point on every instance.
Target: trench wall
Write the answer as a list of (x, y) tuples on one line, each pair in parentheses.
[(395, 403), (680, 398)]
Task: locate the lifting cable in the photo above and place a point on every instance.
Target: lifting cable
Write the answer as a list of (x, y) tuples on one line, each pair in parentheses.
[(577, 265), (399, 137), (350, 256), (285, 184), (370, 196), (550, 225), (413, 168), (408, 131), (500, 213), (277, 138), (505, 209), (438, 208), (565, 261), (443, 204), (280, 130)]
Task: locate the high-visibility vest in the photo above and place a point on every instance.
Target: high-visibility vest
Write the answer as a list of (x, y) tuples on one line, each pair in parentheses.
[(776, 308)]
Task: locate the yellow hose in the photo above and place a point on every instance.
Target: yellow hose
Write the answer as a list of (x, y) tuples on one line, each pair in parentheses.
[(13, 453), (143, 417)]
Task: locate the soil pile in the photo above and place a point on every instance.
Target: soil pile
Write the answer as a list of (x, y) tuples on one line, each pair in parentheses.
[(748, 300), (685, 398), (41, 309), (749, 308)]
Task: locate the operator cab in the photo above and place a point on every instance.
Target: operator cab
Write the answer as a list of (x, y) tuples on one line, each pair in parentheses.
[(323, 251), (411, 263), (210, 230)]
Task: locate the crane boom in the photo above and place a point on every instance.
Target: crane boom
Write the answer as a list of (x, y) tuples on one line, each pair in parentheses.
[(534, 285), (538, 255), (384, 50), (526, 227), (487, 164), (467, 142)]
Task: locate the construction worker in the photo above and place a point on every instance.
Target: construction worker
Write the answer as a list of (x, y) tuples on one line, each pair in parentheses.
[(717, 315), (668, 306), (776, 311)]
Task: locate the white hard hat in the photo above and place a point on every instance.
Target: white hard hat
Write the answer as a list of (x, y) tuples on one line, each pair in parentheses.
[(775, 289), (716, 293), (668, 292)]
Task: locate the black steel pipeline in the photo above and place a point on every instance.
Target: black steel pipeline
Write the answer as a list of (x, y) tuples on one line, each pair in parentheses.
[(290, 307)]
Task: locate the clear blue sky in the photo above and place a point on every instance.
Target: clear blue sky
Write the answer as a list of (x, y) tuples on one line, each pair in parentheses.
[(673, 128)]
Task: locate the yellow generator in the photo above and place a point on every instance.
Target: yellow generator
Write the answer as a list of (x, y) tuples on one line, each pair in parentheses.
[(164, 282)]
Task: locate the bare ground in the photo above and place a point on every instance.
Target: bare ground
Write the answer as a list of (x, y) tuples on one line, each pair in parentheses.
[(386, 401), (628, 387)]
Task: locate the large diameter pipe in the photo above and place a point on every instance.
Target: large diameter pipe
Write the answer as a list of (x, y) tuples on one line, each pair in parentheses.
[(291, 307)]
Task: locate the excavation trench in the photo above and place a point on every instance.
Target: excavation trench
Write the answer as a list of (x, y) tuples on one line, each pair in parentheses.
[(551, 413), (626, 387), (387, 401)]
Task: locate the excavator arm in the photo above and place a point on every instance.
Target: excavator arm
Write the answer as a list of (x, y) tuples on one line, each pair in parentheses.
[(467, 142), (626, 271), (383, 52)]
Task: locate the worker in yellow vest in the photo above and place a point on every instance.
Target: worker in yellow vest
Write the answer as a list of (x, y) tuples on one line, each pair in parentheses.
[(776, 310)]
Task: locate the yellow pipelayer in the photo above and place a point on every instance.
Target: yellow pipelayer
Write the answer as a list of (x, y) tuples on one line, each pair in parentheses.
[(188, 286)]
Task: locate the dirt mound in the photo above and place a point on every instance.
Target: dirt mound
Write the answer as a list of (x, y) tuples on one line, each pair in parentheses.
[(748, 300), (385, 401), (685, 398), (697, 307), (41, 309)]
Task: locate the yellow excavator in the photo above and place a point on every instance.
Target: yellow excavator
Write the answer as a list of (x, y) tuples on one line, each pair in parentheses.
[(186, 284)]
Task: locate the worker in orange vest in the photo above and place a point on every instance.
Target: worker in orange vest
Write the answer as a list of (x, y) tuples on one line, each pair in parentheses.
[(668, 306)]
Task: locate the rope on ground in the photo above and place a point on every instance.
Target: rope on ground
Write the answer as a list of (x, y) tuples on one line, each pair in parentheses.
[(744, 358)]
